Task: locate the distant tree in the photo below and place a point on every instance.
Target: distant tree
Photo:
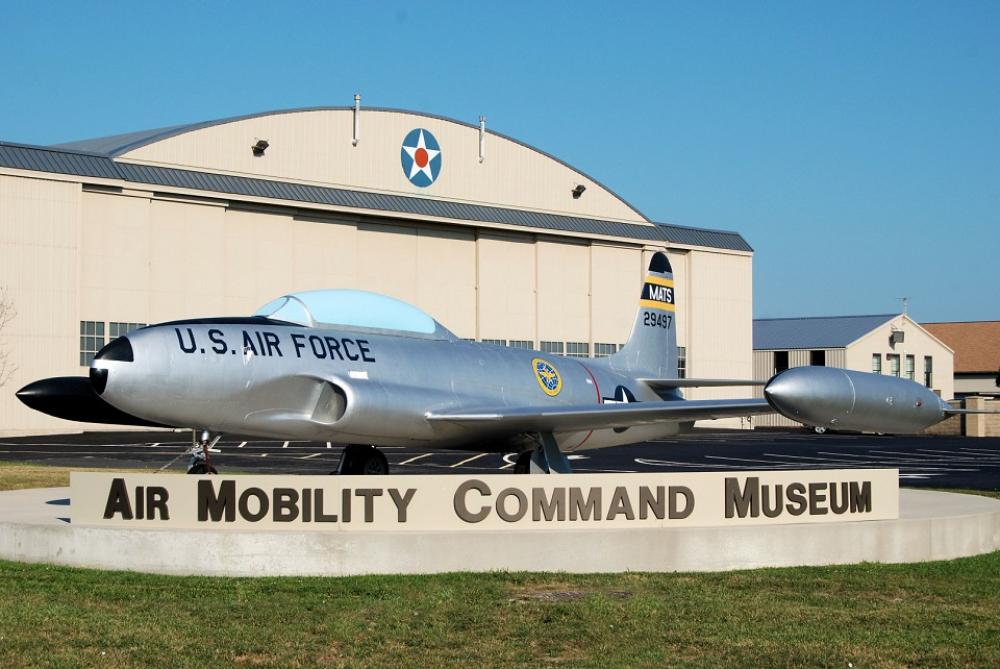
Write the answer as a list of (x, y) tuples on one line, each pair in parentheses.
[(7, 314)]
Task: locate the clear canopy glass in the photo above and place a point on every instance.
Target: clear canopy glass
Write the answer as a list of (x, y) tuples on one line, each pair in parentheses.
[(351, 308)]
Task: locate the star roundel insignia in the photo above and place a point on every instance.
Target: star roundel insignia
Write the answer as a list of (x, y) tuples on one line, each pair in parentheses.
[(547, 376), (421, 157)]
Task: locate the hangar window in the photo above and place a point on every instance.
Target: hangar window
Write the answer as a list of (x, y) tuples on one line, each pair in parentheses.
[(780, 361), (555, 347), (604, 350), (116, 330), (893, 364), (911, 366), (876, 363), (682, 362), (522, 343), (577, 349), (91, 341), (928, 371), (495, 342), (817, 358)]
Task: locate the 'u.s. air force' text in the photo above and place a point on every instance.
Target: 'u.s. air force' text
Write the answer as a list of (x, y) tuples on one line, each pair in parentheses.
[(268, 344)]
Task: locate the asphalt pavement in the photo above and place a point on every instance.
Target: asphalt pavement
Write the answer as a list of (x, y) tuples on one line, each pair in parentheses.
[(923, 461)]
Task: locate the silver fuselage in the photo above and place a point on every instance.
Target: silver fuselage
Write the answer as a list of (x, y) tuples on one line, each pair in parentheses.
[(354, 386)]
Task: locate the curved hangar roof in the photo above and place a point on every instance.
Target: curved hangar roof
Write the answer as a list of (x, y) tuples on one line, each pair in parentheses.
[(310, 158), (315, 145)]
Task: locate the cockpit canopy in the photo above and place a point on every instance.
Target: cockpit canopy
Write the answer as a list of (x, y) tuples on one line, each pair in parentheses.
[(354, 309)]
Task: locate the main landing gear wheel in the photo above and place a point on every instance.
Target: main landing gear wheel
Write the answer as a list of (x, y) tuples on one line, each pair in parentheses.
[(523, 463), (545, 459), (361, 459)]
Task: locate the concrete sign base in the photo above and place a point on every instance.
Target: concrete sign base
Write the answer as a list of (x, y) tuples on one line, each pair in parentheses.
[(931, 526)]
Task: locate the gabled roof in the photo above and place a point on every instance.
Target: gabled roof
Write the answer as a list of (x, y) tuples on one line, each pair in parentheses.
[(813, 333), (87, 164), (976, 344)]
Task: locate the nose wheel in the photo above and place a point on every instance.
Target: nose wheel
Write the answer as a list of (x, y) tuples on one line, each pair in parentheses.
[(200, 449)]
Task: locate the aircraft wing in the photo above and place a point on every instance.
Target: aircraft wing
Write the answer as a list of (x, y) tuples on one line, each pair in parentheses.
[(598, 416), (658, 384)]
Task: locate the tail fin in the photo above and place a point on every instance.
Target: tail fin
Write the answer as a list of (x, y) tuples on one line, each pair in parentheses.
[(652, 347)]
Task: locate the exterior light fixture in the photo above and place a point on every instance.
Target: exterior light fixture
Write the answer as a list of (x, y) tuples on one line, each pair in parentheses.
[(578, 191), (259, 148)]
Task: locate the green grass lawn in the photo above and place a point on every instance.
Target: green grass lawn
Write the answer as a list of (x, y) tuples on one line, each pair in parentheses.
[(940, 614)]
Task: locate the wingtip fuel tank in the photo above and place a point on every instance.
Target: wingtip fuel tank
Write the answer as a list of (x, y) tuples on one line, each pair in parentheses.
[(842, 399)]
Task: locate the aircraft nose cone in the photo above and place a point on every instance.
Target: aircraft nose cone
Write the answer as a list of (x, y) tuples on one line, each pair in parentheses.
[(31, 393), (787, 390)]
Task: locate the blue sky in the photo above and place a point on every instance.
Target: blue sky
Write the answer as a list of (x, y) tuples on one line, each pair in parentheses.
[(856, 145)]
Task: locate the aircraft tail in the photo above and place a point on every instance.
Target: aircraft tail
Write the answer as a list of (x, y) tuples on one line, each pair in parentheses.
[(651, 349)]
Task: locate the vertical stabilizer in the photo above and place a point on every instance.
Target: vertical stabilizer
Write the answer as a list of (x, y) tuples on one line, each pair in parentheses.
[(652, 347)]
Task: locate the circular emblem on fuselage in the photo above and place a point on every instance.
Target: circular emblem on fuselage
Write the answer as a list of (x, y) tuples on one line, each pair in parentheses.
[(421, 157), (547, 376)]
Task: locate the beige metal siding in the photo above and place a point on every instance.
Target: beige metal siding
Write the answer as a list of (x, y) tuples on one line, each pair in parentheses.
[(563, 287), (616, 279), (315, 147), (114, 258), (39, 256), (719, 315), (506, 271), (682, 296), (446, 278)]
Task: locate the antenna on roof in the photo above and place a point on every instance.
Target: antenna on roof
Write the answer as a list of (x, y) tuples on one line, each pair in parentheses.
[(357, 119), (906, 302)]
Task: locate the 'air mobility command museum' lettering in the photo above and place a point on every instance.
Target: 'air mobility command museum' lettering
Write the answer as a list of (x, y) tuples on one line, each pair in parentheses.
[(489, 501)]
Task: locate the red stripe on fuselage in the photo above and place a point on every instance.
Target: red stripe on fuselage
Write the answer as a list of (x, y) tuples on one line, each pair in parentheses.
[(597, 388)]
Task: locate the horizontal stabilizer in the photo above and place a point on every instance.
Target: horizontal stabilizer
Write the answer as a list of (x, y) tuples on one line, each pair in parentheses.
[(657, 384), (600, 416)]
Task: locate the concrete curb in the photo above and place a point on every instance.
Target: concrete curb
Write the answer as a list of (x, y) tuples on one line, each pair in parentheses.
[(932, 526)]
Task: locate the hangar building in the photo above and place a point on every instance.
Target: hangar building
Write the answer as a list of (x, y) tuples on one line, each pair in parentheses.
[(496, 239)]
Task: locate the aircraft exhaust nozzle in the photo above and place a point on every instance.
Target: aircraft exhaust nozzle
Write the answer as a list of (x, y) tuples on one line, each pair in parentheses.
[(848, 400)]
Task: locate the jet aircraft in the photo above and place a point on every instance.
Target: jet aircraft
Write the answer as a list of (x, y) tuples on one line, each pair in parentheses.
[(368, 370)]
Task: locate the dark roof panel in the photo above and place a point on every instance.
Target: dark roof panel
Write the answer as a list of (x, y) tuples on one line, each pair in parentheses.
[(813, 333), (66, 161), (717, 239), (39, 159)]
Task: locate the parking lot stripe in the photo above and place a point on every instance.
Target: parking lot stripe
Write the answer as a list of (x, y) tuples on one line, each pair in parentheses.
[(467, 460), (310, 457), (414, 459), (242, 444)]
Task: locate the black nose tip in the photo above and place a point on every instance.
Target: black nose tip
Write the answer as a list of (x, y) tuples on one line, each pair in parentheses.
[(119, 349)]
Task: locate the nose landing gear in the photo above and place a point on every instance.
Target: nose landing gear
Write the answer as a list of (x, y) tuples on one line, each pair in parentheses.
[(200, 463)]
